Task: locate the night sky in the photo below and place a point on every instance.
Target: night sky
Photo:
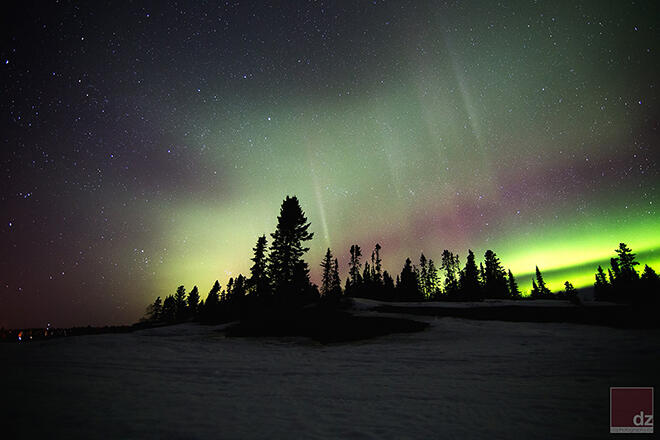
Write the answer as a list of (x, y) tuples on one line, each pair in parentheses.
[(148, 145)]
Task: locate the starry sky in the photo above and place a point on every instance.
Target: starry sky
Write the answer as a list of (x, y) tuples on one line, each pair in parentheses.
[(148, 144)]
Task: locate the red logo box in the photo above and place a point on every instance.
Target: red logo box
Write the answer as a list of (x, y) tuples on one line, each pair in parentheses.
[(631, 409)]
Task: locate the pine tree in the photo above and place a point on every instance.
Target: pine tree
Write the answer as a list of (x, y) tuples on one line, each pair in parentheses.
[(327, 276), (432, 280), (626, 263), (236, 289), (650, 286), (535, 293), (615, 273), (495, 283), (154, 310), (601, 286), (544, 292), (214, 294), (180, 303), (336, 281), (193, 301), (377, 266), (259, 283), (367, 280), (514, 291), (354, 267), (422, 276), (569, 292), (408, 285), (450, 264), (168, 313), (388, 287), (469, 279), (289, 273)]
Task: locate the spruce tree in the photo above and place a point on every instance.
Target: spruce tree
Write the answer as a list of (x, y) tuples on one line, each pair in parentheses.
[(180, 303), (327, 275), (289, 273), (432, 280), (335, 280), (193, 301), (650, 286), (422, 276), (169, 309), (388, 287), (154, 310), (377, 266), (259, 283), (601, 286), (626, 263), (514, 291), (535, 293), (615, 273), (450, 264), (544, 292), (569, 292), (354, 267), (495, 284), (469, 279), (408, 285)]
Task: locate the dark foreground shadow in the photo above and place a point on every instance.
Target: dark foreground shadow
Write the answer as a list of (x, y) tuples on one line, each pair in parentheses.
[(619, 316), (326, 326)]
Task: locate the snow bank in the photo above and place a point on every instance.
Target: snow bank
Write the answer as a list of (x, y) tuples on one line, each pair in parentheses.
[(460, 379)]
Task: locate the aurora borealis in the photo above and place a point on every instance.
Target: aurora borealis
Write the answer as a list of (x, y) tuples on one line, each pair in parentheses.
[(148, 145)]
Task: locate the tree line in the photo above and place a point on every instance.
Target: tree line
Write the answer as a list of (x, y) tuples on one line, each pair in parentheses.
[(279, 278)]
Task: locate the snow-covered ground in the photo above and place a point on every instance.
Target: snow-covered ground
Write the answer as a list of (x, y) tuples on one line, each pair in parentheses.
[(459, 379)]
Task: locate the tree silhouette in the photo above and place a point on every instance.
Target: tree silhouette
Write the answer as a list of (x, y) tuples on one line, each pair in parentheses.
[(469, 285), (422, 276), (535, 293), (327, 278), (450, 264), (180, 303), (193, 301), (432, 280), (514, 291), (602, 289), (650, 286), (377, 266), (336, 281), (614, 273), (210, 311), (168, 313), (569, 292), (367, 281), (354, 267), (259, 283), (289, 273), (495, 284), (542, 290), (237, 289), (388, 287), (626, 265), (625, 284), (154, 310), (408, 284)]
